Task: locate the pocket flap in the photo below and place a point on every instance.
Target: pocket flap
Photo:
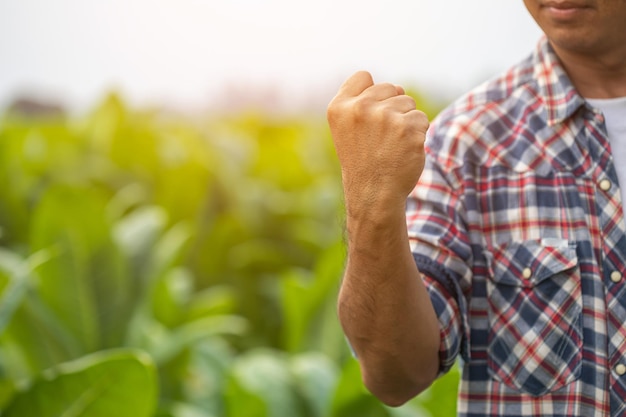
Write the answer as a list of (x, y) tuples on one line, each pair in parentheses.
[(529, 262)]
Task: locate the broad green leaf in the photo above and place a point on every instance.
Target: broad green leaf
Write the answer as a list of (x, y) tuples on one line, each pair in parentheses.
[(19, 272), (138, 231), (218, 299), (241, 401), (316, 377), (169, 249), (126, 198), (13, 267), (39, 338), (32, 154), (262, 385), (153, 248), (219, 234), (153, 251), (171, 296), (33, 336), (7, 391), (210, 364), (120, 383), (87, 286), (304, 293), (167, 344)]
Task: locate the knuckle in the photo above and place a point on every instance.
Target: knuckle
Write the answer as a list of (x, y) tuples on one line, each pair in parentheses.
[(337, 110), (388, 89), (362, 108), (406, 98), (420, 119), (385, 115), (332, 109)]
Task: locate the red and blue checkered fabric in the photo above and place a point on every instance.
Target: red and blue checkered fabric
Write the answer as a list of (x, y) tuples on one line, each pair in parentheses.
[(518, 229)]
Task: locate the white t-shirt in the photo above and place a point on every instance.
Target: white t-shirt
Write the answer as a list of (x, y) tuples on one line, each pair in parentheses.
[(614, 110)]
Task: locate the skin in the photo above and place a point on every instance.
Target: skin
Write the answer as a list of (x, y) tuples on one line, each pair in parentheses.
[(589, 37), (379, 136)]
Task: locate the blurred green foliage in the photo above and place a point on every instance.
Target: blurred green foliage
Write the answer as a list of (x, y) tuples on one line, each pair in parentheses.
[(159, 265)]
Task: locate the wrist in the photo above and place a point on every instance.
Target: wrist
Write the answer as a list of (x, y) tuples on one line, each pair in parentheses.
[(375, 215), (372, 203)]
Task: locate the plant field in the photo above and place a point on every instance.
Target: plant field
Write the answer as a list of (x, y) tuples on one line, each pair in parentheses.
[(162, 265)]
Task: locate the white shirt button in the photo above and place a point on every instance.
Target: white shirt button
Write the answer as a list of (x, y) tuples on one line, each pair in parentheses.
[(527, 273), (620, 369), (605, 185), (616, 276)]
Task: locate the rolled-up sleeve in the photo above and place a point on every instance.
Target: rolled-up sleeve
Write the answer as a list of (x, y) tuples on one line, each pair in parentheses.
[(450, 323), (443, 254)]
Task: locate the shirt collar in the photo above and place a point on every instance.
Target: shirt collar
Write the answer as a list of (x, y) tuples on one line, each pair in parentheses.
[(554, 85)]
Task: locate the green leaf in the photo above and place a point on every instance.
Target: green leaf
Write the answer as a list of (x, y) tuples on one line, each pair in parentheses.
[(352, 399), (154, 260), (7, 391), (440, 398), (304, 294), (169, 249), (315, 378), (87, 286), (171, 343), (178, 409), (120, 383), (261, 385), (210, 364), (218, 299), (126, 198), (34, 336), (171, 296), (138, 231), (13, 266), (19, 272), (146, 240)]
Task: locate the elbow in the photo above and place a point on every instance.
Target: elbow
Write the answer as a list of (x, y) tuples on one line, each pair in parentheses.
[(396, 392), (397, 399)]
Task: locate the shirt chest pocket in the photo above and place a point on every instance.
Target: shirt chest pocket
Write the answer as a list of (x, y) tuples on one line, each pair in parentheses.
[(535, 307)]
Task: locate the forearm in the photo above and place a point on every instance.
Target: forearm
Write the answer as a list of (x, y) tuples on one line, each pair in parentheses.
[(383, 306), (385, 309)]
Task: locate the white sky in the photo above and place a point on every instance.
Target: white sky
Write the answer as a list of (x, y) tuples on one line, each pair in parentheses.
[(189, 52)]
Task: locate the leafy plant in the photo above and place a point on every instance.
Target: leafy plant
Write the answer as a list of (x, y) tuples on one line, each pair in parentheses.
[(198, 259), (102, 384)]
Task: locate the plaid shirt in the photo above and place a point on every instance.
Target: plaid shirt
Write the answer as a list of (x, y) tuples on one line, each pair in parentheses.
[(518, 230)]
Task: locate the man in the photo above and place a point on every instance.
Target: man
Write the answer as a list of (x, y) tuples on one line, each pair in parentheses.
[(511, 250)]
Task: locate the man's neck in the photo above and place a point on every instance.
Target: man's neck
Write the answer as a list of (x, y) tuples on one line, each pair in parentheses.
[(601, 76)]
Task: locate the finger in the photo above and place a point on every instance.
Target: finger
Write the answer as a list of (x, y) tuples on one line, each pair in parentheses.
[(402, 103), (356, 84), (419, 120), (380, 92), (400, 90)]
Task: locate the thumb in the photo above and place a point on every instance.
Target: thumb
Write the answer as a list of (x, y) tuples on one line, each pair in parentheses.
[(356, 84)]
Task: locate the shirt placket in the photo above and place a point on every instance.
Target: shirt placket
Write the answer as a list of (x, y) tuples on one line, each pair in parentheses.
[(611, 217)]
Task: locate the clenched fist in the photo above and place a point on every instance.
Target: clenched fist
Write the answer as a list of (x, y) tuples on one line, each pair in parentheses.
[(379, 138)]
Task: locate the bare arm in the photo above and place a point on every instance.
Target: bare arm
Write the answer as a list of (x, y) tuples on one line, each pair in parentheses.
[(383, 306)]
